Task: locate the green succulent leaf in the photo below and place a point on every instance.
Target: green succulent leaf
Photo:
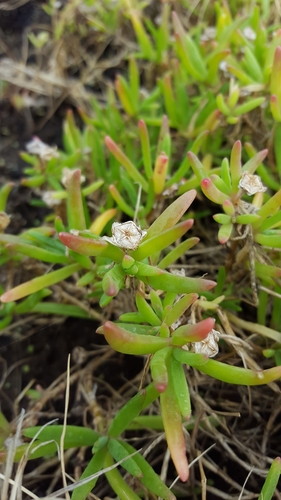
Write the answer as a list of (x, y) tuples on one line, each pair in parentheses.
[(95, 465), (39, 283), (239, 376), (157, 243), (127, 414), (172, 283), (150, 479), (129, 343), (171, 215), (119, 452)]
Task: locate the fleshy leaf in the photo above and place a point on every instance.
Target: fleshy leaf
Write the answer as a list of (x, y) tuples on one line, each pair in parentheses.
[(276, 74), (158, 369), (159, 173), (95, 465), (178, 284), (117, 482), (235, 165), (179, 308), (160, 241), (172, 421), (147, 311), (126, 163), (192, 333), (269, 208), (39, 253), (239, 376), (171, 215), (190, 358), (212, 192), (37, 284), (91, 247), (129, 343), (222, 218), (269, 240), (127, 414), (99, 223), (75, 437), (272, 479), (225, 233), (76, 214), (177, 252), (150, 479), (118, 452), (178, 376), (113, 281), (197, 166)]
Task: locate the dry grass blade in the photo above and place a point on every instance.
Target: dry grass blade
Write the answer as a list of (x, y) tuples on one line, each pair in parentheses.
[(13, 4), (270, 292), (23, 489), (245, 482), (13, 443), (222, 473), (17, 485), (33, 79), (64, 428), (255, 328), (203, 480), (72, 487), (194, 462)]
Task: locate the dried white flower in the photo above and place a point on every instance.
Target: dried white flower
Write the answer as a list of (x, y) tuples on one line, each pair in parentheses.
[(246, 208), (251, 183), (126, 235), (79, 355), (224, 68), (4, 221), (170, 191), (244, 92), (48, 198), (209, 346), (208, 34), (249, 33), (75, 232), (66, 176), (38, 147)]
